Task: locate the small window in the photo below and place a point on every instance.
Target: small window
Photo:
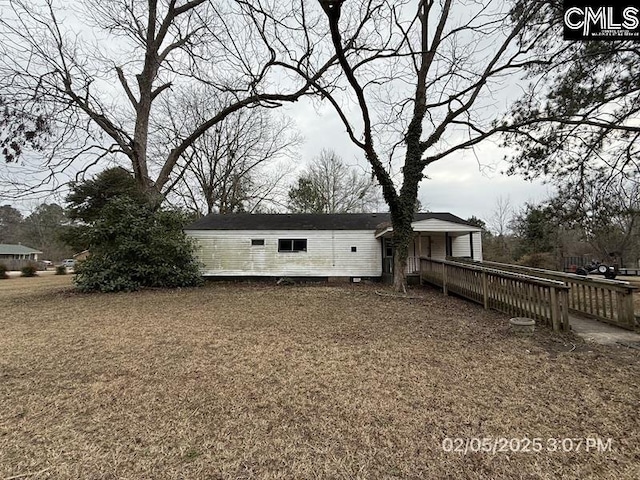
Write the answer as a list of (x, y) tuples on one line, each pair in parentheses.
[(292, 245), (354, 249), (257, 242)]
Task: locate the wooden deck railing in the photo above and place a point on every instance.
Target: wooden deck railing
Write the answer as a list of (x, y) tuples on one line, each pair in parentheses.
[(413, 265), (609, 301), (515, 294)]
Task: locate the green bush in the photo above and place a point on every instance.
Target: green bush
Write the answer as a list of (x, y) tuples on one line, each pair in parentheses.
[(61, 270), (29, 270), (3, 271), (134, 246)]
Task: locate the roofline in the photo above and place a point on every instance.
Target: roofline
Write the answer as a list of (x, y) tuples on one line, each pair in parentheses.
[(313, 221), (383, 231), (31, 250)]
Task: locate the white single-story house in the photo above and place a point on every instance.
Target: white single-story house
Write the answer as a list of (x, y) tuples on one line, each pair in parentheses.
[(348, 245), (18, 252)]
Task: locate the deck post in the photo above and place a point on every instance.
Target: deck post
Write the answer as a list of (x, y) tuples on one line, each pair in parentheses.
[(629, 313), (485, 289), (445, 290), (555, 313), (564, 309), (420, 255)]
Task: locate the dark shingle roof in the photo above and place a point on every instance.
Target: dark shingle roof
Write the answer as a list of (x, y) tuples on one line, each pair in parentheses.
[(307, 221)]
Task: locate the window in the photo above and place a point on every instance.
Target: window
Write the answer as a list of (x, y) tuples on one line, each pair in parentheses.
[(292, 245), (354, 249), (257, 242)]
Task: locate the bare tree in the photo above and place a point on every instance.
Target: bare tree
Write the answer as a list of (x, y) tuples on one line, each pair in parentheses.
[(422, 77), (98, 80), (502, 216), (241, 164), (606, 212), (500, 222), (328, 185)]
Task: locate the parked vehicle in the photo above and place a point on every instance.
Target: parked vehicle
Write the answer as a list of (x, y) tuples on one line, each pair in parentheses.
[(609, 271), (69, 263)]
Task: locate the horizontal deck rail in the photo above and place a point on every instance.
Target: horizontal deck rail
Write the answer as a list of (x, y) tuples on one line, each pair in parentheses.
[(609, 301), (515, 294)]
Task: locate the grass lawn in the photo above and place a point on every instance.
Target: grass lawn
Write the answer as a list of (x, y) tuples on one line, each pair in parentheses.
[(257, 381)]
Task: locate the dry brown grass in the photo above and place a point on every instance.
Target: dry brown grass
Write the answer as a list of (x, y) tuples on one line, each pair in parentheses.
[(257, 381)]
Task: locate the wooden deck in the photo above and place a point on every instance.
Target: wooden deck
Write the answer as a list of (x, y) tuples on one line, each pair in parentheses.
[(517, 295), (608, 301), (546, 296)]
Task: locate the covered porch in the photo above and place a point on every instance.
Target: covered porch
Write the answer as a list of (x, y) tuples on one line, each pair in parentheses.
[(431, 239)]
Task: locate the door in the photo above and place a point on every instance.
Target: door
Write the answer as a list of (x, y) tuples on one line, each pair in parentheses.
[(387, 255)]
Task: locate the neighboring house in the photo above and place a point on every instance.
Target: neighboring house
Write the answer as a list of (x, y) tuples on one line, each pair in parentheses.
[(14, 257), (324, 245), (18, 252), (82, 256)]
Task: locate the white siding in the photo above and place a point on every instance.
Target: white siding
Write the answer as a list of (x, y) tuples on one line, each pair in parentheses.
[(414, 246), (438, 248), (462, 248), (435, 225), (229, 253), (477, 246)]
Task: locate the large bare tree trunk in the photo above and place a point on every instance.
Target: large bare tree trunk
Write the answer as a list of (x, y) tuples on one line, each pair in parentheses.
[(402, 235), (444, 84)]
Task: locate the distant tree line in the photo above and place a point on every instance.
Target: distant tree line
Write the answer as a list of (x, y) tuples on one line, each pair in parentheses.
[(41, 229), (603, 225)]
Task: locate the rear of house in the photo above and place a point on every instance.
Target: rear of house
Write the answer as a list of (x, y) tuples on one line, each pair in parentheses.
[(322, 245)]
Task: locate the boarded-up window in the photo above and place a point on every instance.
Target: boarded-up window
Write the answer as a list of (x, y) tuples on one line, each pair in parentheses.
[(257, 242), (292, 245)]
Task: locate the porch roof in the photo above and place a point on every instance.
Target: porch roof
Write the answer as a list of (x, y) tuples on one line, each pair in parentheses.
[(433, 225)]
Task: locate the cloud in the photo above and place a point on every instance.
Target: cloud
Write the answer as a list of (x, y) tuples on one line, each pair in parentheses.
[(465, 184)]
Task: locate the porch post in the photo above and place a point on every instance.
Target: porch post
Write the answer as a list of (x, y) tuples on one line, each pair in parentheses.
[(420, 256), (471, 245)]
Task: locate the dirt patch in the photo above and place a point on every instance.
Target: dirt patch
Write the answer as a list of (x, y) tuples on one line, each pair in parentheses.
[(258, 381)]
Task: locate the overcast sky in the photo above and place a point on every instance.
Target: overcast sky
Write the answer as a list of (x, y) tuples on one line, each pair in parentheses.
[(463, 184), (460, 184)]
